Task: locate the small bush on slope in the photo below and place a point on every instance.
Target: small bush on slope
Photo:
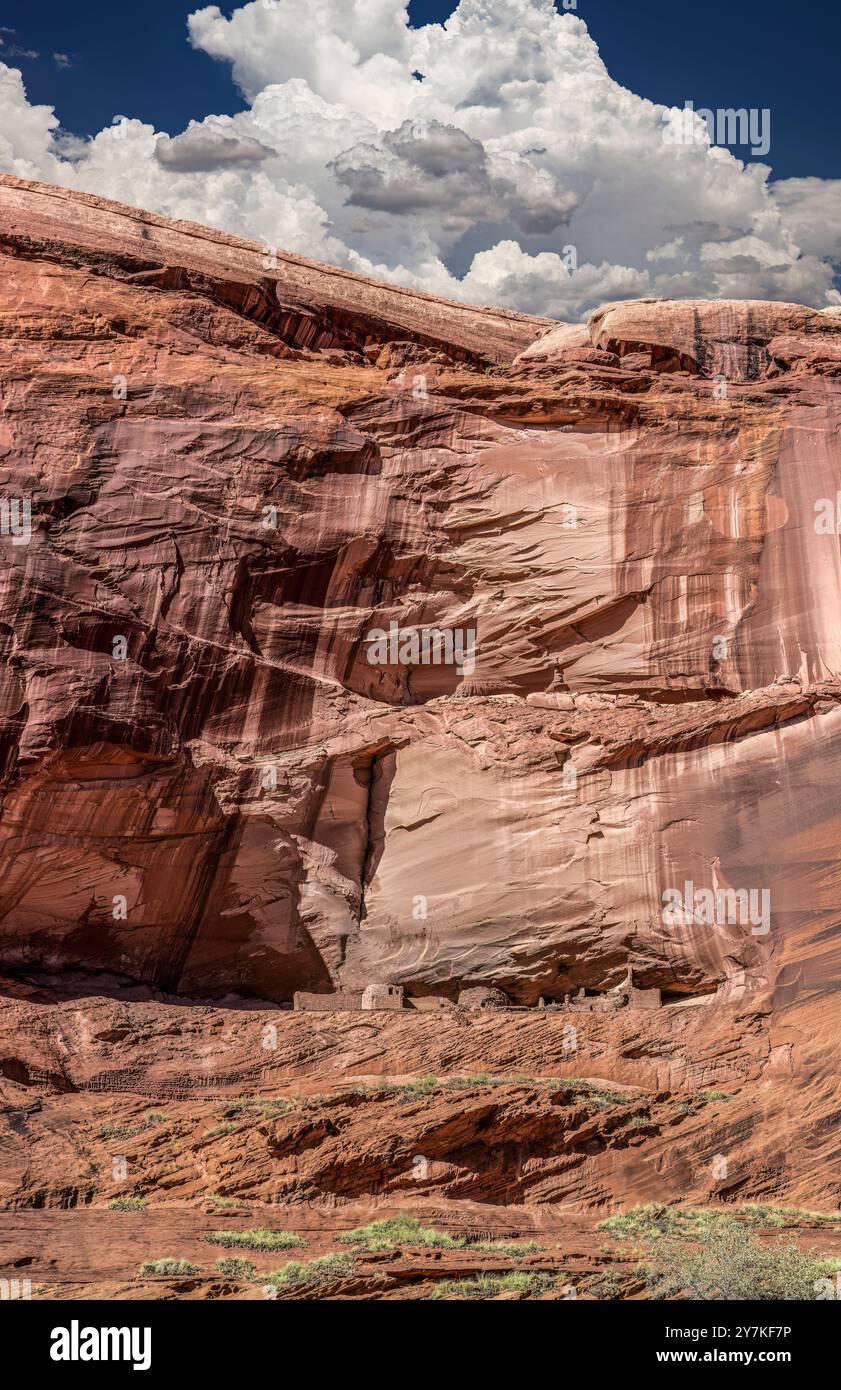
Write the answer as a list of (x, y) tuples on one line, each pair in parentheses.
[(399, 1230), (407, 1230), (731, 1263), (257, 1239), (318, 1271), (168, 1266), (489, 1285), (236, 1269)]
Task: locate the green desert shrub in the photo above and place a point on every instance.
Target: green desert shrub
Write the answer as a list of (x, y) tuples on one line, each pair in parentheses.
[(765, 1214), (226, 1127), (489, 1285), (731, 1263), (419, 1086), (234, 1268), (321, 1270), (149, 1121), (407, 1230), (112, 1131), (654, 1220), (515, 1248), (595, 1096), (127, 1204), (168, 1267), (257, 1239), (256, 1105), (399, 1230)]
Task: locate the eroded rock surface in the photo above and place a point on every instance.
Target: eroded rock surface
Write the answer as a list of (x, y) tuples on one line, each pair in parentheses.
[(238, 470), (655, 619)]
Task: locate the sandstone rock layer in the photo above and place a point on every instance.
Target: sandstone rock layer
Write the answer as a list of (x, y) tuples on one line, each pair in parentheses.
[(239, 466)]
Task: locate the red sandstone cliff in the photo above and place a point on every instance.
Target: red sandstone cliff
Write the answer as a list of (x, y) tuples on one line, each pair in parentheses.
[(236, 473), (242, 491)]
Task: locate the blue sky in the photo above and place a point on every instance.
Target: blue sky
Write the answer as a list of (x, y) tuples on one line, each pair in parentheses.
[(134, 59)]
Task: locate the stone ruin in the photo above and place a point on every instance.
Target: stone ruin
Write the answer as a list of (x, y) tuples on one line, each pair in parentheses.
[(624, 996), (304, 1002), (432, 1003), (373, 997), (377, 997), (644, 998), (483, 997), (382, 997)]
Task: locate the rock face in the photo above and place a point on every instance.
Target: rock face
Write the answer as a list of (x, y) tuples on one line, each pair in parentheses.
[(225, 768), (484, 1124), (353, 638)]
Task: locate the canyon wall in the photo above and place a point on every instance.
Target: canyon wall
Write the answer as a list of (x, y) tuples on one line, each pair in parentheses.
[(239, 466)]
